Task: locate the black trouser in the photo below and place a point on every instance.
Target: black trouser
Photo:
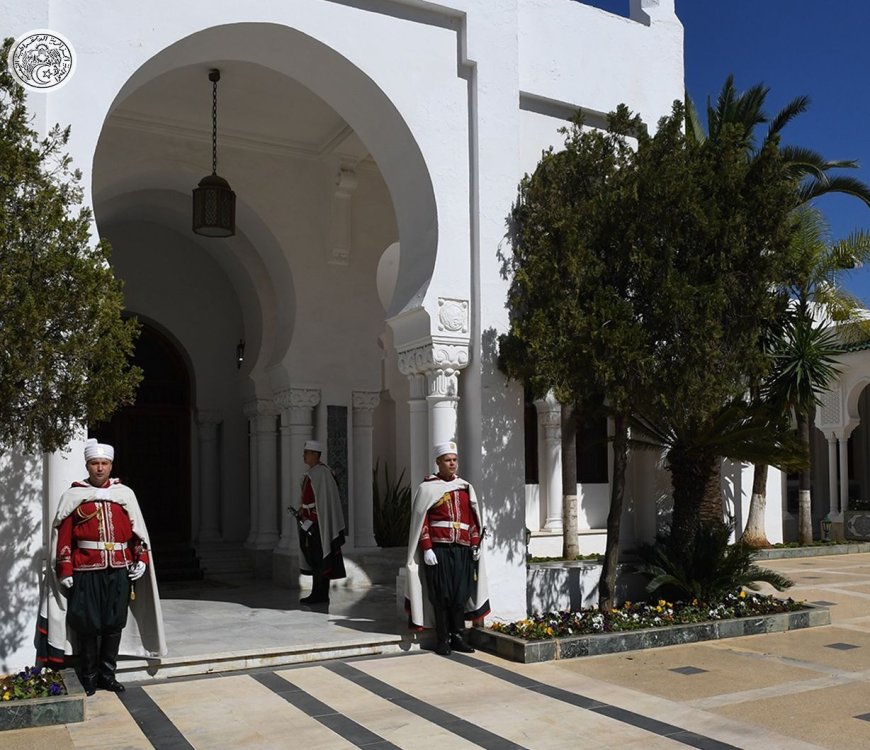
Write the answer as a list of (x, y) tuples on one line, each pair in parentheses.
[(450, 584), (98, 613)]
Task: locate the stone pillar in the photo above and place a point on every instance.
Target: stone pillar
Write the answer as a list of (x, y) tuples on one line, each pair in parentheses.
[(832, 476), (364, 405), (435, 366), (61, 468), (297, 426), (844, 472), (209, 475), (250, 411), (550, 460), (419, 429), (265, 532)]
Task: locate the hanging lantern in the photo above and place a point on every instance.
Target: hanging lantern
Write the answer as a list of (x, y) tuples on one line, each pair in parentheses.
[(214, 202)]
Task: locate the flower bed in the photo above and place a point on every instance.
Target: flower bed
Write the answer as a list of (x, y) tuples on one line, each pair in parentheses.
[(560, 635), (38, 697)]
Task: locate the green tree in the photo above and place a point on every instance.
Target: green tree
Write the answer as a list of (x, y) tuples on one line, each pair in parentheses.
[(744, 113), (713, 222), (573, 326), (65, 347)]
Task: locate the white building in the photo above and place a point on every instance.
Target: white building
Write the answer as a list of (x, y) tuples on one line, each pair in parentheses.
[(375, 147)]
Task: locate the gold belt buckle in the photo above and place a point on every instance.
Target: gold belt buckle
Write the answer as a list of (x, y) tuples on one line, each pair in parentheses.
[(457, 525), (110, 546)]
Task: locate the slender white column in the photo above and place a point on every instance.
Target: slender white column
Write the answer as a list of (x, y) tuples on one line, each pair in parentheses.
[(265, 500), (62, 468), (440, 362), (364, 405), (297, 426), (832, 475), (443, 400), (419, 428), (209, 475), (250, 411), (844, 472), (550, 459)]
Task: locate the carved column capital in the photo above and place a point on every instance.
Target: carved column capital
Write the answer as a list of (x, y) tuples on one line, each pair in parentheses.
[(366, 400), (209, 416), (438, 355), (298, 398), (259, 407)]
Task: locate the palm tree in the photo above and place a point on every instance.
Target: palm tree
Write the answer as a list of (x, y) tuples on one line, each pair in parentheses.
[(804, 358), (745, 111), (812, 172)]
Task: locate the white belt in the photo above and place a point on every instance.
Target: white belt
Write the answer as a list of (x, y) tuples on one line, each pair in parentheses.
[(110, 546), (309, 505), (450, 525)]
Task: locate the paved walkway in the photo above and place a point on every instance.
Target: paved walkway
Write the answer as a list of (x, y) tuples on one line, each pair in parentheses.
[(797, 690)]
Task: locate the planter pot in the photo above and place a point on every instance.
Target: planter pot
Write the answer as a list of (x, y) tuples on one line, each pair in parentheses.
[(856, 524), (41, 712), (516, 649)]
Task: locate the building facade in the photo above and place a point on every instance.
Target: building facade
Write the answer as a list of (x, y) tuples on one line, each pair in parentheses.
[(375, 147)]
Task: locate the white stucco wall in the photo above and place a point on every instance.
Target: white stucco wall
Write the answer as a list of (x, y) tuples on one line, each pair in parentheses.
[(449, 102)]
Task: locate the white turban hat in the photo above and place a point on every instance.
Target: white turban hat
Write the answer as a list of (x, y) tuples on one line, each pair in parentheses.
[(313, 445), (93, 449), (441, 448)]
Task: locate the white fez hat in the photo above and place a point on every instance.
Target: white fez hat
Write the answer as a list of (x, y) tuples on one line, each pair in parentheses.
[(313, 445), (442, 448), (93, 449)]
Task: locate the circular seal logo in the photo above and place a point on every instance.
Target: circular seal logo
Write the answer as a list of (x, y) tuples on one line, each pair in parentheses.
[(41, 60)]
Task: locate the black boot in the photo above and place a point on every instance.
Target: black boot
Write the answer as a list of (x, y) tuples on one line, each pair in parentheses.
[(109, 645), (319, 591), (88, 663), (442, 647), (458, 644)]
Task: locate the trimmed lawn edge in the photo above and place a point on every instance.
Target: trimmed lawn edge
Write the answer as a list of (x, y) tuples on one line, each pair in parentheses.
[(530, 652), (43, 712)]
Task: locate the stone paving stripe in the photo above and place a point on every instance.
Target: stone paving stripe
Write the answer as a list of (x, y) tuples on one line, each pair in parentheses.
[(347, 728), (823, 603), (842, 646), (678, 734), (688, 670), (155, 724), (461, 727)]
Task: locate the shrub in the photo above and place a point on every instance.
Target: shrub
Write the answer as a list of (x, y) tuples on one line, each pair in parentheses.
[(391, 508), (708, 569), (31, 682)]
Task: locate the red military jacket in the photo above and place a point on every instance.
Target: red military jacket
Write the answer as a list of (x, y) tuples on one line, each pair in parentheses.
[(450, 520), (309, 506), (104, 524)]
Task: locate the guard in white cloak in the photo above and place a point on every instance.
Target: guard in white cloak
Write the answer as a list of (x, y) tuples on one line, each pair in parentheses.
[(445, 581), (321, 526), (100, 565)]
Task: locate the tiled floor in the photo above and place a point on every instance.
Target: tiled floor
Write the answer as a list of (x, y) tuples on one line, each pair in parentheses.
[(786, 690)]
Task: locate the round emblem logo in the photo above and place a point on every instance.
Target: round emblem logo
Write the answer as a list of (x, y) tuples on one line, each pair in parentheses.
[(41, 60)]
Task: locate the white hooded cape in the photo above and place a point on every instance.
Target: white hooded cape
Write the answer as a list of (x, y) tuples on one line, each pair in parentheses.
[(420, 612), (147, 638)]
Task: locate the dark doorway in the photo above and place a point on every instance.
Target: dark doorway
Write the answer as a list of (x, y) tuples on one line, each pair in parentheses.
[(152, 440)]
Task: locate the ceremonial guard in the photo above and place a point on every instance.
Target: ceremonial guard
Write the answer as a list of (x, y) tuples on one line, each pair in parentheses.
[(445, 582), (321, 525), (101, 563)]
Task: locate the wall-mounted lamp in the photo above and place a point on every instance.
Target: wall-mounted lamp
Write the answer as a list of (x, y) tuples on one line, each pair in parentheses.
[(240, 353)]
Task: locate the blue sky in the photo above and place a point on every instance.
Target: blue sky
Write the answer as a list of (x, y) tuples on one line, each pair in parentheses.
[(795, 47)]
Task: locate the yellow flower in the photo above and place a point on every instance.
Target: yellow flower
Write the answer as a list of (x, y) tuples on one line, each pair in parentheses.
[(742, 594), (7, 696)]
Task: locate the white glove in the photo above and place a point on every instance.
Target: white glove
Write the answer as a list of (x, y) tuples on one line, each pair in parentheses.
[(66, 582), (475, 553), (137, 571), (429, 557)]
